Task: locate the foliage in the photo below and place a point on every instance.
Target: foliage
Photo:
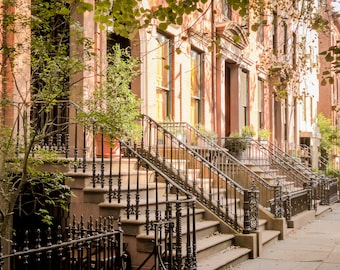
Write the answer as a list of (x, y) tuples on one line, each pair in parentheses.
[(36, 72), (207, 133), (248, 131), (329, 135), (114, 109), (127, 17), (264, 134), (332, 173), (236, 143)]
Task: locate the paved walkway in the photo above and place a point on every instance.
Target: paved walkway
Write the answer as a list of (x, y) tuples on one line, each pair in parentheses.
[(314, 246)]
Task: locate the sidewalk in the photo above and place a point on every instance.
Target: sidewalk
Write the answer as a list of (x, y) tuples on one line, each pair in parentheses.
[(314, 246)]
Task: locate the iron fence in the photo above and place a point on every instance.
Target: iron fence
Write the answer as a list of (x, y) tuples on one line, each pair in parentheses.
[(95, 245)]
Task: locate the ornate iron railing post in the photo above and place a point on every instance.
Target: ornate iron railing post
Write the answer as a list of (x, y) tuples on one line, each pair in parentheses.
[(278, 201), (324, 189), (251, 210), (288, 207)]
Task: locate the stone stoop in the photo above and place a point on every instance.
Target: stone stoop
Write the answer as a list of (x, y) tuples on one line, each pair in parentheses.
[(265, 237), (216, 248)]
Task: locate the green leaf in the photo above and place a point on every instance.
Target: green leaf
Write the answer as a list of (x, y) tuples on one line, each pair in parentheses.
[(329, 57)]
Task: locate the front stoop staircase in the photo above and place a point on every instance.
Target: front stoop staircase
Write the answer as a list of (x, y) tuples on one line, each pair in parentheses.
[(217, 247), (173, 201)]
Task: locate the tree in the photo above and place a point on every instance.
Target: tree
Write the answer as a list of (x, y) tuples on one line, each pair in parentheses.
[(36, 70), (329, 136)]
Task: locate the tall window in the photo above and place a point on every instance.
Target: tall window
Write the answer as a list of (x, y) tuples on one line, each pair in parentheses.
[(275, 37), (294, 51), (244, 98), (226, 10), (260, 34), (285, 38), (260, 86), (196, 86), (164, 71)]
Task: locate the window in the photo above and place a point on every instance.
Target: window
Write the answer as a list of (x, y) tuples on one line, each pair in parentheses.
[(164, 71), (260, 33), (260, 86), (275, 33), (285, 38), (244, 98), (294, 51), (196, 86), (226, 10)]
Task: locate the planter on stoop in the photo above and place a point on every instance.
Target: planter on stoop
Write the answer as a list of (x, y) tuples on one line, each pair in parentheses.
[(112, 111)]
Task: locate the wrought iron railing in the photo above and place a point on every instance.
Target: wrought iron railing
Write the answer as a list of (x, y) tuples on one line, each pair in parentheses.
[(273, 157), (96, 244), (326, 188), (139, 189), (171, 153), (272, 186), (293, 203), (221, 158), (178, 210)]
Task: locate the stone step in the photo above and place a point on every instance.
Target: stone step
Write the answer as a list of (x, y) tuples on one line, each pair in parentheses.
[(225, 259), (145, 242), (269, 237), (212, 244), (137, 227), (100, 194)]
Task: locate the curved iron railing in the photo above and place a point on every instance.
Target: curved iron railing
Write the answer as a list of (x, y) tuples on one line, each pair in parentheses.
[(136, 189), (212, 187), (272, 184), (223, 160), (263, 155)]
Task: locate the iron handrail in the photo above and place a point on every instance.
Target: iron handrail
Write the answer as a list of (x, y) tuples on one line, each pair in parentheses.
[(200, 143), (281, 161), (178, 159), (291, 163)]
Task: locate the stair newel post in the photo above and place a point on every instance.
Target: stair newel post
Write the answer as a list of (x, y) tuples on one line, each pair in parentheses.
[(84, 165), (157, 246), (147, 210), (194, 246), (169, 227), (119, 180), (246, 209), (102, 166), (75, 144), (218, 194), (128, 195), (110, 175), (178, 262), (137, 188), (150, 138), (201, 184), (157, 211), (210, 188), (93, 157), (227, 187), (250, 206), (235, 207), (278, 201), (189, 261), (288, 207), (186, 167)]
